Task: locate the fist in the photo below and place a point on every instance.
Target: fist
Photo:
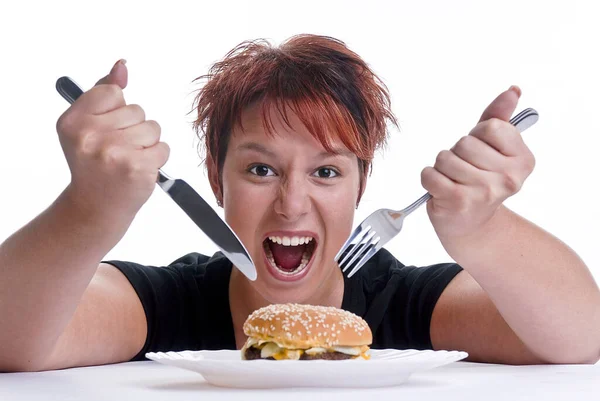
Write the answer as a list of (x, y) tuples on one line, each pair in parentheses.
[(113, 152), (469, 182)]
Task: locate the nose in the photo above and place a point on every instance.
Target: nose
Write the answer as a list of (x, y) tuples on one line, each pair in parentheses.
[(293, 200)]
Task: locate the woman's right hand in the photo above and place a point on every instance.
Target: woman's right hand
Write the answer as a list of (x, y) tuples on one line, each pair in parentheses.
[(113, 152)]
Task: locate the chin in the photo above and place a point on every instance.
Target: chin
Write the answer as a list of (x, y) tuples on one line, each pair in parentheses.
[(277, 287)]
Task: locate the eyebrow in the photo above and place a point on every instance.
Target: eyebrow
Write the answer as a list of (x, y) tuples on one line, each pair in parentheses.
[(336, 153), (257, 147)]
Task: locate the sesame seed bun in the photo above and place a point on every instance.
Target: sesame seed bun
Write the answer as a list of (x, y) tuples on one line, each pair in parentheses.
[(299, 326)]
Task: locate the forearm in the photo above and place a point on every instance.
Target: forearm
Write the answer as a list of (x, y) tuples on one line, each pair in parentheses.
[(44, 269), (543, 290)]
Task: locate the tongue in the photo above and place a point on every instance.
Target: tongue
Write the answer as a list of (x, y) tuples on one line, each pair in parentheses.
[(287, 257)]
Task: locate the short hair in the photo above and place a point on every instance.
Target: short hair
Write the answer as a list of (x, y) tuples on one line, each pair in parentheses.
[(330, 88)]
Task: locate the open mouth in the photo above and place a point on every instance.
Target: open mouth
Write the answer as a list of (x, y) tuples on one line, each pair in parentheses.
[(289, 256)]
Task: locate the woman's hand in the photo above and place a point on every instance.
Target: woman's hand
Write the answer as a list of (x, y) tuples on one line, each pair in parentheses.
[(113, 152), (469, 182)]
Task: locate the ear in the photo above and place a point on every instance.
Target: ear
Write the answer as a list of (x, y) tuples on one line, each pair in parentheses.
[(213, 178)]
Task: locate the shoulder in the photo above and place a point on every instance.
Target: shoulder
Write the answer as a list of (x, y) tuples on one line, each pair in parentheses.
[(384, 270), (200, 263), (190, 261), (197, 259), (184, 271)]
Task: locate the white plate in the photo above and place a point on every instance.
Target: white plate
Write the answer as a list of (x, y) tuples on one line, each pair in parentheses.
[(387, 367)]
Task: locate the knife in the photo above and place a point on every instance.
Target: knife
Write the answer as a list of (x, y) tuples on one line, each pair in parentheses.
[(217, 230)]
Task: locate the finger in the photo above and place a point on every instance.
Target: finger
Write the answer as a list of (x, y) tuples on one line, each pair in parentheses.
[(156, 155), (456, 169), (503, 106), (100, 99), (478, 153), (500, 135), (437, 184), (107, 94), (118, 75), (143, 135), (121, 118)]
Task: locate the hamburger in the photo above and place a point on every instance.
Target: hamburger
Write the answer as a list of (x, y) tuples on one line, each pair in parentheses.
[(305, 332)]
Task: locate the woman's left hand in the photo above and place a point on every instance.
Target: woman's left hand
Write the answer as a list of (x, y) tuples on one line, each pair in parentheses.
[(469, 182)]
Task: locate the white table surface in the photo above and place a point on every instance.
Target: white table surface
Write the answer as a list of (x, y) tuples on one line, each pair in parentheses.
[(462, 381)]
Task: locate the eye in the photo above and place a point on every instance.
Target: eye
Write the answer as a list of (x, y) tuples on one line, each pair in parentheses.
[(261, 170), (326, 172)]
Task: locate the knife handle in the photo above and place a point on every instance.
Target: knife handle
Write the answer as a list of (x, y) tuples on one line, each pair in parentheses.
[(70, 91)]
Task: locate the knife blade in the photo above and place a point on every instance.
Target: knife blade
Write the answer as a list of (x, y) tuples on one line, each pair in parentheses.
[(197, 209)]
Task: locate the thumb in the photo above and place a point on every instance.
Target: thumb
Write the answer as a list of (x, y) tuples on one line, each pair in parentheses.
[(503, 106), (117, 75)]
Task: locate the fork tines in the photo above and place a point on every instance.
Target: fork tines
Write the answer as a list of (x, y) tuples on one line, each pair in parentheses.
[(356, 254)]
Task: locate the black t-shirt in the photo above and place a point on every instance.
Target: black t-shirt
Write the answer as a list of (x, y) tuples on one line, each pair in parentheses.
[(187, 302)]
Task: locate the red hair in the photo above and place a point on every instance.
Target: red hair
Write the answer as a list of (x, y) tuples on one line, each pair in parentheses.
[(331, 89)]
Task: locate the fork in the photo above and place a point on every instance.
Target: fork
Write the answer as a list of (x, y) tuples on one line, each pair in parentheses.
[(384, 224)]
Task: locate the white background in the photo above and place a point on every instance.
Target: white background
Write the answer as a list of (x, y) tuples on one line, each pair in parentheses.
[(443, 62)]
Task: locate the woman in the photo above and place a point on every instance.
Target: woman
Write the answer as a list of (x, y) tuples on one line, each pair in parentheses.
[(290, 133)]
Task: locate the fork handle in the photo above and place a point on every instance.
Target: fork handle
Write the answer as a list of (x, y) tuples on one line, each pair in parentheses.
[(522, 121)]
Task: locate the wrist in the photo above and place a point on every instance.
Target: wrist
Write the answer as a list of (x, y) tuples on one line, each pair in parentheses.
[(472, 248), (76, 210)]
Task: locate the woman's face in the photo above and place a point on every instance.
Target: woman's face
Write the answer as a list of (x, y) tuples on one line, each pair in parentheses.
[(291, 203)]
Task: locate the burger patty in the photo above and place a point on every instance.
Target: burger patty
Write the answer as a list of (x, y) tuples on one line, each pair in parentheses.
[(254, 353), (330, 356)]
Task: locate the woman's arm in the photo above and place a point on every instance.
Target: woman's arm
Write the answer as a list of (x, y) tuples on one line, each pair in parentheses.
[(47, 266), (525, 295), (57, 308)]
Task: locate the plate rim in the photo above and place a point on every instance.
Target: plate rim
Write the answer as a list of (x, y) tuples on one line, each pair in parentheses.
[(222, 372)]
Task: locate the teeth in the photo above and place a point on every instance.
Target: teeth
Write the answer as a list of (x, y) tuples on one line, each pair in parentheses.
[(291, 241)]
